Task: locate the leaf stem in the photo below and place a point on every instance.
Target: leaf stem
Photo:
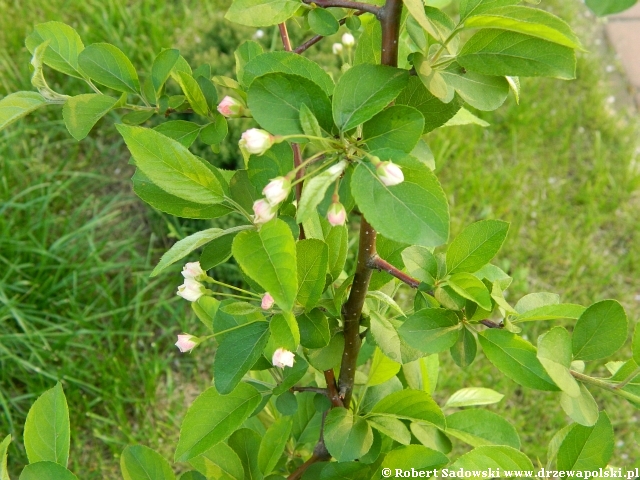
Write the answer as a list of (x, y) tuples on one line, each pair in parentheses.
[(365, 7), (213, 335), (598, 382), (377, 263), (626, 381), (222, 284), (315, 39)]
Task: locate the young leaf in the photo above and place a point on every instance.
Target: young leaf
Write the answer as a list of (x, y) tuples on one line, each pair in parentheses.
[(213, 417), (275, 100), (431, 438), (468, 286), (636, 344), (464, 350), (420, 263), (550, 312), (414, 405), (365, 90), (368, 47), (63, 49), (500, 52), (554, 352), (399, 127), (161, 68), (582, 408), (322, 22), (347, 436), (314, 190), (141, 463), (273, 443), (220, 461), (180, 130), (309, 122), (436, 113), (431, 330), (417, 11), (246, 443), (587, 448), (469, 397), (245, 53), (216, 131), (82, 112), (193, 92), (516, 358), (328, 357), (107, 65), (291, 376), (338, 242), (414, 458), (600, 331), (493, 457), (536, 300), (17, 105), (391, 427), (476, 246), (609, 7), (479, 427), (312, 256), (171, 166), (4, 446), (412, 212), (46, 471), (382, 369), (314, 329), (261, 13), (269, 258), (483, 92), (276, 162), (47, 430), (476, 7)]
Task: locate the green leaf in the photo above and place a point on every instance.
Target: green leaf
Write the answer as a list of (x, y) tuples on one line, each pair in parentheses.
[(479, 427), (314, 329), (184, 247), (322, 22), (269, 258), (63, 49), (587, 448), (17, 105), (180, 130), (141, 463), (291, 63), (46, 471), (382, 369), (550, 312), (414, 405), (391, 427), (220, 461), (275, 100), (368, 47), (314, 190), (608, 7), (107, 65), (385, 333), (312, 257), (469, 397), (346, 436), (399, 127), (338, 242), (245, 53), (412, 212), (276, 162), (431, 330), (213, 417), (636, 344), (261, 13), (420, 263), (600, 331), (530, 21), (246, 443), (414, 457), (273, 443), (4, 446), (582, 408), (82, 112), (216, 252), (193, 92), (464, 350), (284, 334), (328, 357), (417, 11), (476, 245), (516, 358), (469, 287), (500, 52), (137, 118), (171, 166), (483, 92), (494, 457), (536, 300), (47, 430), (476, 7), (465, 117), (365, 90), (554, 352), (291, 376), (161, 68), (216, 131), (436, 113), (238, 351), (431, 437)]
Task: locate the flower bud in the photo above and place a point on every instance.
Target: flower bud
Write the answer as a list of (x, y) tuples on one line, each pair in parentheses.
[(186, 343), (230, 107), (336, 48), (348, 40), (389, 173), (263, 211), (336, 214), (258, 35), (277, 190), (191, 290), (267, 301), (194, 271), (282, 358), (256, 141)]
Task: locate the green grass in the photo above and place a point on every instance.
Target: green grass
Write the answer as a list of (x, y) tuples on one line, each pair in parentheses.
[(76, 245)]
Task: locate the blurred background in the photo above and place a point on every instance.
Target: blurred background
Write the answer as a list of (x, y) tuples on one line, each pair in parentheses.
[(77, 246)]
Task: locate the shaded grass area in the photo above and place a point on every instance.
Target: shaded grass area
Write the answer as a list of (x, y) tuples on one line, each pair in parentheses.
[(76, 246)]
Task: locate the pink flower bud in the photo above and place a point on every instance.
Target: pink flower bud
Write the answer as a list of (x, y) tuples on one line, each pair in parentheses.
[(230, 107), (389, 173), (336, 214), (191, 290), (267, 301), (277, 190), (263, 211), (348, 40), (282, 358), (256, 141), (186, 343), (193, 270)]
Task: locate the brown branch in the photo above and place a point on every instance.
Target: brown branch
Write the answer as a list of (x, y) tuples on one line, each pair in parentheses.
[(378, 263), (313, 40), (390, 22), (365, 7), (332, 389), (320, 454), (490, 324), (322, 391)]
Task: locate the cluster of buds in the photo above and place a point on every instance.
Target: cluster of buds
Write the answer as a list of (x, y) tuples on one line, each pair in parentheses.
[(192, 289), (276, 192), (231, 108)]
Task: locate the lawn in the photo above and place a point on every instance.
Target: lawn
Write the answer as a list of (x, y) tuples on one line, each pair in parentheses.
[(76, 245)]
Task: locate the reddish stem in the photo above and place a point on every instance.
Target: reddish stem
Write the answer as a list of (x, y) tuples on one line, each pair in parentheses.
[(379, 264), (313, 40), (365, 7)]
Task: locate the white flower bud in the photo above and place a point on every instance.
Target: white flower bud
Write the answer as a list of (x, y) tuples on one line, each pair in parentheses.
[(336, 48), (267, 301), (258, 35), (263, 211), (191, 290), (282, 358), (256, 141), (193, 270), (337, 215), (348, 40), (277, 190), (186, 343), (230, 107), (389, 173)]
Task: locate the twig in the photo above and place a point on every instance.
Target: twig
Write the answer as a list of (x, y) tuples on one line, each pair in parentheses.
[(322, 391), (320, 454), (626, 381), (332, 389), (598, 382), (490, 324), (365, 7), (313, 40), (378, 263)]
